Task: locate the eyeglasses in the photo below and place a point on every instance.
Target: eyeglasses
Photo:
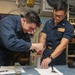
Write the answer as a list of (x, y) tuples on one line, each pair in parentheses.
[(59, 16), (32, 29)]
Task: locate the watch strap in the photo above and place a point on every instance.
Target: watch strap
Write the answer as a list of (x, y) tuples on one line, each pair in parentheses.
[(50, 57)]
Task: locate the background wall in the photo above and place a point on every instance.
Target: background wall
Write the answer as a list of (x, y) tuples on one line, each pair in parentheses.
[(9, 7)]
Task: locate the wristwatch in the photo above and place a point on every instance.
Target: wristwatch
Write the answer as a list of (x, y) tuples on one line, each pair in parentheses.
[(50, 57)]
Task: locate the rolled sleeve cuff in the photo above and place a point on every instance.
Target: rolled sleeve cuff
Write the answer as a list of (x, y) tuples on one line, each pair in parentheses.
[(29, 45), (68, 37)]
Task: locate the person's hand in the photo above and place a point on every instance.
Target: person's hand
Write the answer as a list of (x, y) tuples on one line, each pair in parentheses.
[(45, 62), (37, 46), (39, 53)]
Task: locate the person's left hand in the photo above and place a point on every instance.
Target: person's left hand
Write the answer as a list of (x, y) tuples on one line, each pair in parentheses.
[(45, 62)]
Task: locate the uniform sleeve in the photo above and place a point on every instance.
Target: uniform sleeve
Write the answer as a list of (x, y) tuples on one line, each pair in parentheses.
[(27, 37), (69, 32), (9, 38), (44, 30)]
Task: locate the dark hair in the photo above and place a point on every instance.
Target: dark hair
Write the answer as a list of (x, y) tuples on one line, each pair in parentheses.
[(61, 5), (32, 17)]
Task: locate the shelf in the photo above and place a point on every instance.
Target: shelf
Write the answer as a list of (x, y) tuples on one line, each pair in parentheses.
[(71, 55), (71, 46), (72, 13), (72, 17), (72, 43)]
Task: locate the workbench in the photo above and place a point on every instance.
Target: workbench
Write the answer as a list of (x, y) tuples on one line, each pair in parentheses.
[(29, 70)]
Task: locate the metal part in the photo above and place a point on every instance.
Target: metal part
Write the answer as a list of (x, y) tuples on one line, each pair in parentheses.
[(17, 68), (38, 60)]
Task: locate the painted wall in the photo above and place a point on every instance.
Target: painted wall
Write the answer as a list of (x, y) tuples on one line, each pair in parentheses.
[(9, 7)]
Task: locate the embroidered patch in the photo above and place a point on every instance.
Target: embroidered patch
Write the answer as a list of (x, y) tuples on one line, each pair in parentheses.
[(61, 29)]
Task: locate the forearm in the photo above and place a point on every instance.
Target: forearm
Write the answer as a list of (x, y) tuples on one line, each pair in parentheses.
[(60, 48), (58, 51), (42, 39)]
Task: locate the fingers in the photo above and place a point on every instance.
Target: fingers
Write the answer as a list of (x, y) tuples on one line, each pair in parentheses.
[(44, 65), (39, 52), (39, 47), (36, 46)]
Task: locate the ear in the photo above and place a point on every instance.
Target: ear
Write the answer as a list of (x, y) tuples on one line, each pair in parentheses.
[(54, 11), (24, 20), (66, 14)]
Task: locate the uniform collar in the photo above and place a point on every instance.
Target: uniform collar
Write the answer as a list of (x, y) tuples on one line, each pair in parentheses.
[(19, 24), (51, 23), (60, 24)]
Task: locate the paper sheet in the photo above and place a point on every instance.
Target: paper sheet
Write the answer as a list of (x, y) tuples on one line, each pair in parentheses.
[(48, 71), (8, 70)]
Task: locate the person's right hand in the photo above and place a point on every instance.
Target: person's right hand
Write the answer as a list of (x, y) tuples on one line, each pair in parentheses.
[(37, 46), (45, 62)]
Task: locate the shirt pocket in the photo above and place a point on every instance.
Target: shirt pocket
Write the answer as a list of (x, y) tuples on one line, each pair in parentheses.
[(59, 34)]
